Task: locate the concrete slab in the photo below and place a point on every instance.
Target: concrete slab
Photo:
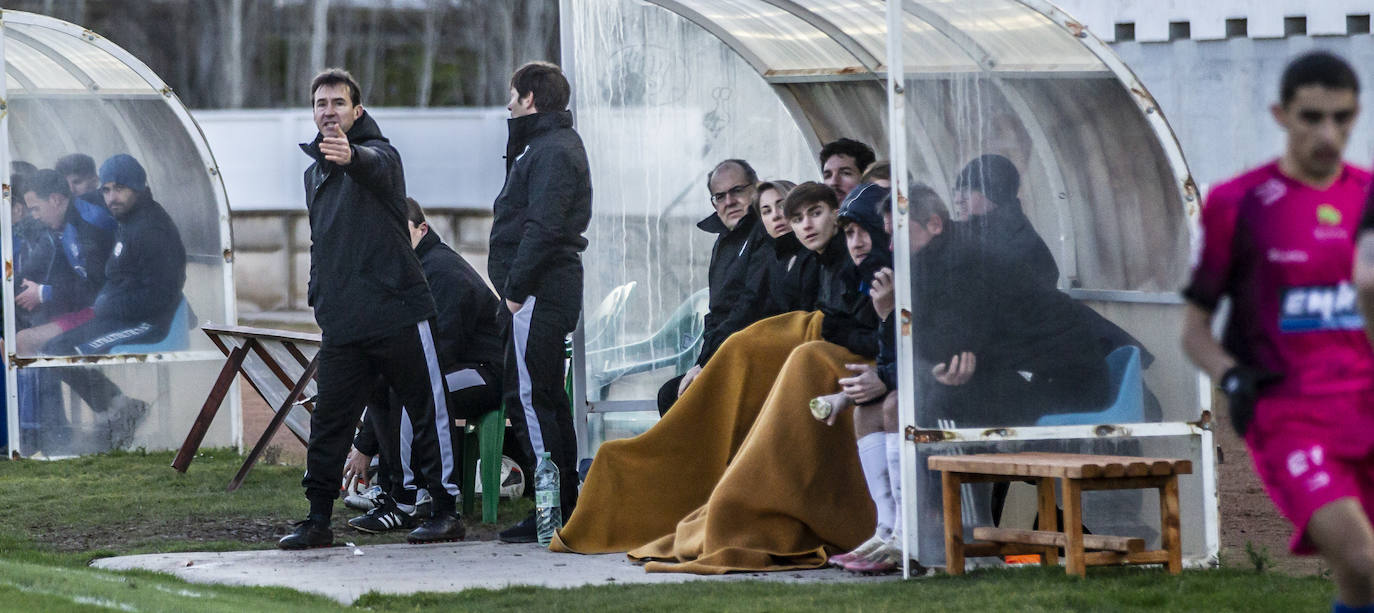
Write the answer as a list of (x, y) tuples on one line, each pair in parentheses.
[(345, 573)]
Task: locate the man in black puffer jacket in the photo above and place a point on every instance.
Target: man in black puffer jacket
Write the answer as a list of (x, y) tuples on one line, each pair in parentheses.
[(374, 310), (535, 263)]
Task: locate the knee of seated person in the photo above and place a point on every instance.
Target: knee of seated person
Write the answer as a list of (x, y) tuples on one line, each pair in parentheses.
[(891, 415), (810, 350)]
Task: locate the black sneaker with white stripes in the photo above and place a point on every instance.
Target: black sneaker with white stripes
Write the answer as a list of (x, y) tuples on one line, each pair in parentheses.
[(383, 518)]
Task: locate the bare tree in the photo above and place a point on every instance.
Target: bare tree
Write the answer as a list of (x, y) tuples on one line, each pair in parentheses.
[(319, 35), (431, 48)]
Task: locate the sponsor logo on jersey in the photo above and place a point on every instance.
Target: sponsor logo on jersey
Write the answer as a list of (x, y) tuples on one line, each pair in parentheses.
[(1287, 256), (1318, 309), (1270, 191), (1328, 215)]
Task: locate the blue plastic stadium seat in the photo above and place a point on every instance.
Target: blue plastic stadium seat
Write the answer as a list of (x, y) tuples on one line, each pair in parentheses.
[(178, 335), (1128, 400)]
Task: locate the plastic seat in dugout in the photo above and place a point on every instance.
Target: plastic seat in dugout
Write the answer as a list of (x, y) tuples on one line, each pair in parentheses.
[(665, 89), (70, 91)]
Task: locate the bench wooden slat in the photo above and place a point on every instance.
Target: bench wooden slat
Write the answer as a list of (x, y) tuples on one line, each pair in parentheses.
[(1063, 465), (1100, 542)]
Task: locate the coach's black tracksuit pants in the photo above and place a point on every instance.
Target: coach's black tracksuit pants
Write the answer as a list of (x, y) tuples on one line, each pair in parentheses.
[(536, 400), (346, 379)]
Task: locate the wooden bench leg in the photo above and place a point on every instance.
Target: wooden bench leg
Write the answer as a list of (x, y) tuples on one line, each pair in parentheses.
[(1169, 524), (954, 523), (1073, 527), (1049, 520)]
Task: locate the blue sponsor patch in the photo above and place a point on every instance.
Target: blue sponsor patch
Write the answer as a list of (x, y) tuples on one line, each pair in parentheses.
[(1316, 309)]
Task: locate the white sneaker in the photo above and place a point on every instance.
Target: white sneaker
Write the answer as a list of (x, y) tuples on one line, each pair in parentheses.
[(365, 500)]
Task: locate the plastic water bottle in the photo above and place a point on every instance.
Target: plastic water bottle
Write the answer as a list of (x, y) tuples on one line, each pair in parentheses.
[(548, 508)]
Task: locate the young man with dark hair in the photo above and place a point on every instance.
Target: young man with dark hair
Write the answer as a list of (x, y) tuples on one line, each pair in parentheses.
[(732, 185), (82, 236), (374, 310), (535, 264), (468, 340), (1294, 362), (79, 171), (842, 163)]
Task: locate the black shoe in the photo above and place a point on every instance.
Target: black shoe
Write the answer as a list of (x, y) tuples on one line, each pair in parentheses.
[(383, 518), (438, 529), (523, 532), (308, 534)]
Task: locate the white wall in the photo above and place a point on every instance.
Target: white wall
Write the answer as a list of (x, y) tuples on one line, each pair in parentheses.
[(1207, 18), (452, 157)]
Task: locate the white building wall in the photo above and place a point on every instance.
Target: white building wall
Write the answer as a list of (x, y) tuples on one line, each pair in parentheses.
[(1207, 18), (453, 157)]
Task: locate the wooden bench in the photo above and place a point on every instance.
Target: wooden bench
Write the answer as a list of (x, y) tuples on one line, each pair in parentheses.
[(1077, 473)]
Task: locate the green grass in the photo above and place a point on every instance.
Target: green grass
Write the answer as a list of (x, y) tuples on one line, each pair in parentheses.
[(62, 514), (1019, 590)]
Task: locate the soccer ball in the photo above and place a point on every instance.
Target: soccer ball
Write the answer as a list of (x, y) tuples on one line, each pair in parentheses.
[(512, 479)]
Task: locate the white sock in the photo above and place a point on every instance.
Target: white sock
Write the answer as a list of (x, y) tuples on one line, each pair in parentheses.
[(893, 443), (873, 459)]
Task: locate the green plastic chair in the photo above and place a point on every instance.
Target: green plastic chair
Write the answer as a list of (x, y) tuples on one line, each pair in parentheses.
[(485, 438)]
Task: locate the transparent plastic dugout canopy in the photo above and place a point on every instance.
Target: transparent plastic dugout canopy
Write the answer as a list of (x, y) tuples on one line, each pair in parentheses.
[(665, 89), (68, 90)]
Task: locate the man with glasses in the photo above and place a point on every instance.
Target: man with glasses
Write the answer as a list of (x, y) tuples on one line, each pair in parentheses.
[(732, 184)]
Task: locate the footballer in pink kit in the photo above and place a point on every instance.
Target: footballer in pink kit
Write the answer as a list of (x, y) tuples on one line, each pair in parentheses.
[(1295, 361)]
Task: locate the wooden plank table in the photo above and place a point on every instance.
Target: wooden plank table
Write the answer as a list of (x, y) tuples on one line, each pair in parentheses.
[(1077, 473), (238, 343)]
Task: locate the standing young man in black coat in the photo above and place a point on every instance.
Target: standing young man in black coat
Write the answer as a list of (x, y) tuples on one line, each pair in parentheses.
[(374, 310), (535, 263)]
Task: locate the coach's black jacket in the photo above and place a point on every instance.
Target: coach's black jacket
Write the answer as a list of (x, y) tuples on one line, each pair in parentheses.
[(737, 261), (544, 208), (365, 280), (466, 328)]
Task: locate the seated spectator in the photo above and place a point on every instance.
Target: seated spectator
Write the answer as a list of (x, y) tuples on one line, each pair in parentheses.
[(789, 280), (985, 196), (63, 285), (732, 184), (143, 281), (843, 161), (79, 170), (471, 350), (643, 491)]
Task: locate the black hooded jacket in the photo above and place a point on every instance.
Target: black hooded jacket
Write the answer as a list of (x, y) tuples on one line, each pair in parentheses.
[(850, 320), (737, 259), (544, 208), (790, 277), (146, 268), (365, 280), (466, 329)]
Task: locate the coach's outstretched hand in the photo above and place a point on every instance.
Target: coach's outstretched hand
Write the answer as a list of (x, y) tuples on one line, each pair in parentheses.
[(1242, 385)]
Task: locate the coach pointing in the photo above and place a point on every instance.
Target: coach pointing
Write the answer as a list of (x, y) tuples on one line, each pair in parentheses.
[(374, 310)]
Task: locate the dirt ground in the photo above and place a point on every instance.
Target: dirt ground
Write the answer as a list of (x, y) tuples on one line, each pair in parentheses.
[(1247, 514)]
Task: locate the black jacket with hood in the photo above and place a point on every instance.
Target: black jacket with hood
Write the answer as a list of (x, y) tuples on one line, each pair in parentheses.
[(146, 268), (544, 207), (365, 281)]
